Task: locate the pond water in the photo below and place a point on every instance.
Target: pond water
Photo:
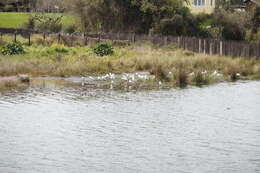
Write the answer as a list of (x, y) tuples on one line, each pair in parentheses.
[(77, 130)]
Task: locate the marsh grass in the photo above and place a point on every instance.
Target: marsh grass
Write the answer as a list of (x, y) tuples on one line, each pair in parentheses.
[(199, 78), (181, 78), (169, 65)]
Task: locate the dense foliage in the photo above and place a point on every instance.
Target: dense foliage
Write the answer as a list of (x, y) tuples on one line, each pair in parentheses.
[(12, 49), (103, 49), (44, 22), (164, 17), (128, 15)]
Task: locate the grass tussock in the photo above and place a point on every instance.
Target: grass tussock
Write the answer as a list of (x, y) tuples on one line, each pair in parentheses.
[(173, 66), (181, 78), (200, 78)]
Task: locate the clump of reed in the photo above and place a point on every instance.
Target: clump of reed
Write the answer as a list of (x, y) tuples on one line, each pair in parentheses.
[(160, 73), (200, 78), (181, 78), (188, 53)]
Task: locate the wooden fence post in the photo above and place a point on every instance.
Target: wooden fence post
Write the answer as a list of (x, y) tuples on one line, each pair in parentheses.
[(85, 39), (199, 45), (210, 48), (133, 37), (59, 38), (185, 43), (165, 40), (99, 37), (204, 46), (258, 51), (221, 48), (118, 36), (194, 45), (178, 42), (248, 51), (29, 39)]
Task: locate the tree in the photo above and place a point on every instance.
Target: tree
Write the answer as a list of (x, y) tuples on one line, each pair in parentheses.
[(229, 5), (127, 15), (255, 20)]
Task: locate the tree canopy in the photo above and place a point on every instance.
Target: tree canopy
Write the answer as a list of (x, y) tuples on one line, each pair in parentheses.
[(127, 15)]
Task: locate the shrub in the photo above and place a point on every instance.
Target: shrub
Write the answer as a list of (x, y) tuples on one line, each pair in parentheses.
[(104, 49), (52, 27), (177, 25), (255, 21), (70, 29), (233, 32), (231, 25), (47, 22), (2, 42), (30, 24), (61, 50), (12, 49), (160, 73), (57, 49), (9, 8), (173, 26)]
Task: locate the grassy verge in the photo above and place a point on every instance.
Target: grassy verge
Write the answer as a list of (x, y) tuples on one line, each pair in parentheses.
[(169, 65), (17, 20)]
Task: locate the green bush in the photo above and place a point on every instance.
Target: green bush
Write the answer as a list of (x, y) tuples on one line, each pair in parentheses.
[(48, 23), (230, 25), (49, 27), (104, 49), (12, 49), (9, 8), (55, 48), (233, 32), (70, 29), (30, 24), (181, 23)]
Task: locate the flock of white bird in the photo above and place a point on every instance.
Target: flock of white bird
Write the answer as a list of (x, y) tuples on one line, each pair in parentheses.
[(131, 78)]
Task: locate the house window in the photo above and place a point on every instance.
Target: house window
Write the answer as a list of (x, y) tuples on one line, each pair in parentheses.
[(199, 3)]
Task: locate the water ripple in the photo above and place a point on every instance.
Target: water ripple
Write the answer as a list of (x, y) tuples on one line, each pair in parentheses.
[(74, 129)]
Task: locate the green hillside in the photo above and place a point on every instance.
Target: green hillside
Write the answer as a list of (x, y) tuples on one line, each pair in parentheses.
[(17, 20)]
